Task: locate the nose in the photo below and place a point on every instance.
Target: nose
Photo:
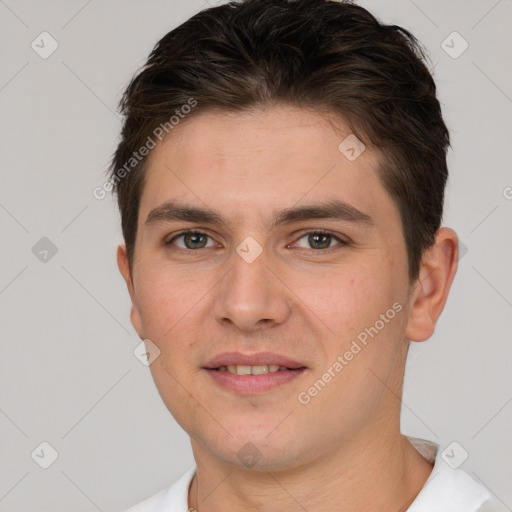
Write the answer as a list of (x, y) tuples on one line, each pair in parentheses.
[(250, 297)]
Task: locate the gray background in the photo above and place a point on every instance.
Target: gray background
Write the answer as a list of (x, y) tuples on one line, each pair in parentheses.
[(67, 372)]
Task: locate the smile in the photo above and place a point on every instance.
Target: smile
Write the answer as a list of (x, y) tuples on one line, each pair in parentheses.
[(241, 369)]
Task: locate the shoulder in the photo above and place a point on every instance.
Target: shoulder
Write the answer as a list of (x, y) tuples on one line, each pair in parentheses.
[(450, 489), (172, 499)]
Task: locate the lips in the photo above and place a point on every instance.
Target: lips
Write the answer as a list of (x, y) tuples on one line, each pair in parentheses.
[(252, 374), (262, 359), (252, 370)]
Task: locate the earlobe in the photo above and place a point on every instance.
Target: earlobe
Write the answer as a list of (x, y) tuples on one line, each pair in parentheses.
[(430, 291), (124, 268)]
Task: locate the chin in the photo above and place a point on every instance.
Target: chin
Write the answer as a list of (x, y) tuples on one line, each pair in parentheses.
[(256, 447), (256, 457)]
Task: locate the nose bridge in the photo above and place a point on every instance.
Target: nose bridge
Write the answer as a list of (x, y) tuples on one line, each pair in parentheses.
[(250, 296)]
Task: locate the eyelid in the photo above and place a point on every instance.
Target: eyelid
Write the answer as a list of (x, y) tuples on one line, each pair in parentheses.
[(192, 231), (303, 233)]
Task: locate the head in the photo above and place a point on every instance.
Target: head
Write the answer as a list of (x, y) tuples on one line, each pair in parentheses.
[(303, 143)]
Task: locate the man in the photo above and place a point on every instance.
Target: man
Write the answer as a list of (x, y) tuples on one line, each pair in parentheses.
[(280, 180)]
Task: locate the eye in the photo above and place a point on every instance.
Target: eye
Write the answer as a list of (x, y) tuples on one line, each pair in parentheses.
[(191, 240), (319, 240)]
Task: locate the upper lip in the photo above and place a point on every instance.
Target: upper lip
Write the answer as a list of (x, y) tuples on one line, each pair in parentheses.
[(257, 359)]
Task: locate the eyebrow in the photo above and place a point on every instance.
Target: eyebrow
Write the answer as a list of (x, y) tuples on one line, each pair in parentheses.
[(330, 210)]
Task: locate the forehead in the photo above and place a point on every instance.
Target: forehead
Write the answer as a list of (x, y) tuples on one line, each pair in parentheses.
[(248, 164)]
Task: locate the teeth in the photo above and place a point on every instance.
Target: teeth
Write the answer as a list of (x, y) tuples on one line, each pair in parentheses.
[(241, 369), (259, 370)]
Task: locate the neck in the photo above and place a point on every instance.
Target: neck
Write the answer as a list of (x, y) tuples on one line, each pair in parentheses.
[(374, 473)]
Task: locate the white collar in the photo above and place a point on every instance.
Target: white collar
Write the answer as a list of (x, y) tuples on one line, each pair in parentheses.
[(446, 489)]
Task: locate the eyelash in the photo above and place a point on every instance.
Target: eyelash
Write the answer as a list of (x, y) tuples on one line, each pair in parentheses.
[(340, 243)]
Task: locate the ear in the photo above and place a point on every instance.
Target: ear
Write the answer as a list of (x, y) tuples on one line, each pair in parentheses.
[(430, 291), (124, 268)]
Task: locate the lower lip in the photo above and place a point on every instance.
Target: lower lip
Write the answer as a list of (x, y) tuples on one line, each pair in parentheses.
[(253, 384)]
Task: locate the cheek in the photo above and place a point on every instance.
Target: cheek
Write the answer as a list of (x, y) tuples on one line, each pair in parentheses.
[(347, 299), (175, 307), (166, 298), (365, 314)]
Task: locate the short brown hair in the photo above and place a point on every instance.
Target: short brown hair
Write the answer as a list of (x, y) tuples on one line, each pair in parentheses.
[(318, 54)]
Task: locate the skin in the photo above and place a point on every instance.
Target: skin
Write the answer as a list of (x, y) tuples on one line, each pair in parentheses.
[(343, 450)]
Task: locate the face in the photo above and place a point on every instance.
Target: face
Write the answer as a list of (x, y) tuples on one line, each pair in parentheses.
[(296, 260)]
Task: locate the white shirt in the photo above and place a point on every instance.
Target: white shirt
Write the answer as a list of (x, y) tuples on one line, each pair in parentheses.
[(446, 490)]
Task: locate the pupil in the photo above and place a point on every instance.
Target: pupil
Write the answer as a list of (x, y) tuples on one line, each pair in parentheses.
[(195, 239), (315, 240)]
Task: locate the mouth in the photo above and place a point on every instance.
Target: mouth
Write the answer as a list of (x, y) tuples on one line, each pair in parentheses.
[(252, 373), (241, 369), (261, 362)]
